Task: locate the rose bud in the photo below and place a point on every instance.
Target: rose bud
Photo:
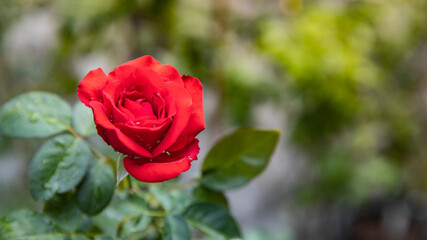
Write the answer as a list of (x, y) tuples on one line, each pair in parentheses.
[(150, 113)]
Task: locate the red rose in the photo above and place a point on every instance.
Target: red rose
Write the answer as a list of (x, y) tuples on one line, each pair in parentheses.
[(150, 113)]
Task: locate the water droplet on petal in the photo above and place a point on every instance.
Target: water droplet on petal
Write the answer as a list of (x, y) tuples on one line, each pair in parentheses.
[(168, 153), (137, 123)]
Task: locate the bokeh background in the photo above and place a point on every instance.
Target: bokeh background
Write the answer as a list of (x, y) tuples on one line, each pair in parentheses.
[(344, 80)]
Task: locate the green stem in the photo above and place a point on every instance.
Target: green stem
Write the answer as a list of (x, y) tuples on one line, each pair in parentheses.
[(131, 190), (144, 212), (98, 154), (153, 213), (72, 131), (92, 149)]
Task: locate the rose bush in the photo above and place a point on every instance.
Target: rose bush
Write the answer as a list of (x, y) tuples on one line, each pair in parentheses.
[(150, 113)]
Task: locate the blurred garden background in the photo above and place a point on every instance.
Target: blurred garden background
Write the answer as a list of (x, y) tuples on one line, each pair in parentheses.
[(344, 80)]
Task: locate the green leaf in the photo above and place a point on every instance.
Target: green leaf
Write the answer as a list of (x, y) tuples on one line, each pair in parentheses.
[(97, 188), (73, 237), (25, 223), (104, 237), (203, 194), (163, 196), (63, 210), (82, 120), (213, 220), (129, 213), (58, 166), (135, 225), (238, 158), (176, 228), (54, 236), (34, 114), (121, 172), (172, 200)]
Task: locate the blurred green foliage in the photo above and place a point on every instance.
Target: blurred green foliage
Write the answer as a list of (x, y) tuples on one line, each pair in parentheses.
[(352, 69)]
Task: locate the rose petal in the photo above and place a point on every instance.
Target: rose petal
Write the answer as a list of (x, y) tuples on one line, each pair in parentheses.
[(144, 61), (196, 124), (170, 107), (169, 73), (119, 141), (166, 71), (190, 150), (155, 172), (183, 110), (128, 78), (164, 167), (113, 112), (112, 95), (146, 137), (90, 87), (133, 78), (136, 95), (149, 122), (143, 109), (159, 105)]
